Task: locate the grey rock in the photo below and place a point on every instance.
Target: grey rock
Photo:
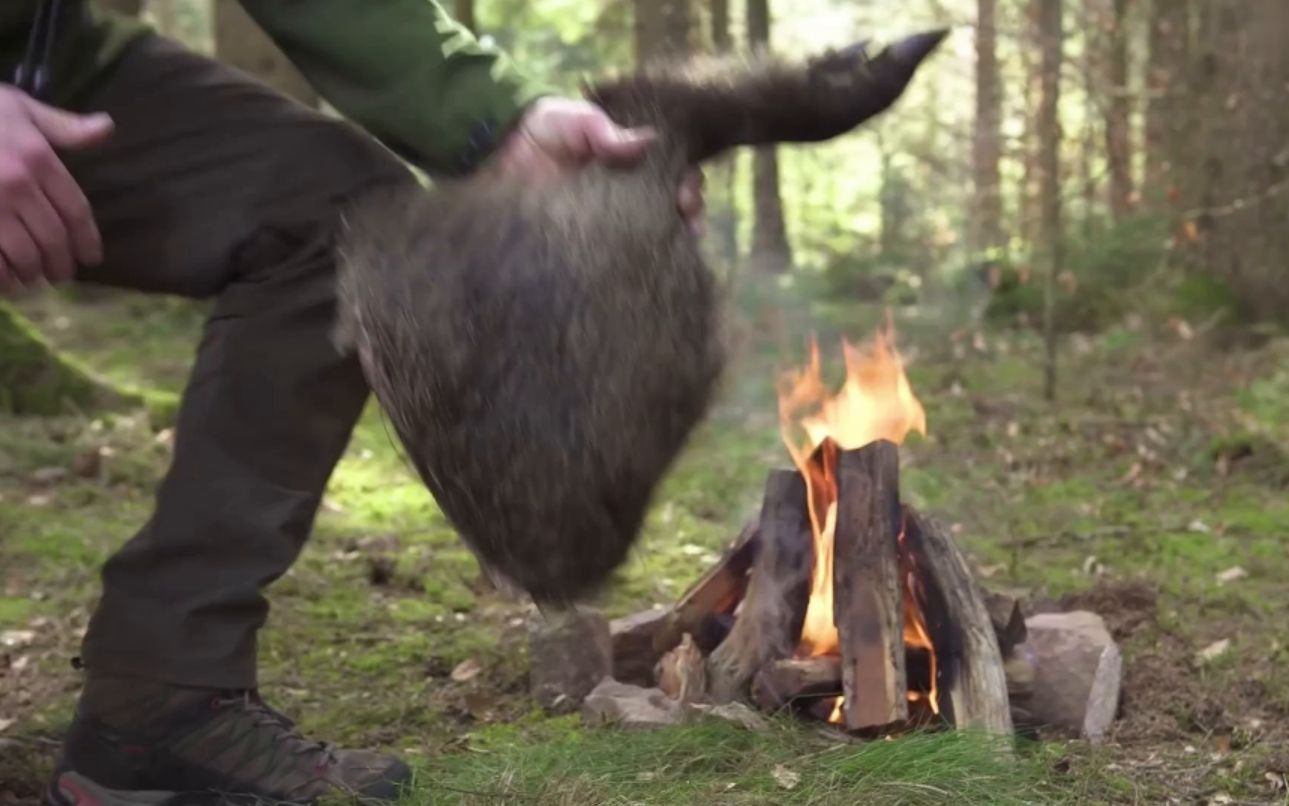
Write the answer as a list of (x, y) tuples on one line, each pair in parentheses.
[(569, 653), (1078, 673)]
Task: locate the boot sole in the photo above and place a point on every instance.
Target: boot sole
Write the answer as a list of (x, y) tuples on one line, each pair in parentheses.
[(73, 789)]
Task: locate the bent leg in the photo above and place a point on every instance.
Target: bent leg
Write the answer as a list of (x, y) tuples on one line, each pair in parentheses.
[(214, 185)]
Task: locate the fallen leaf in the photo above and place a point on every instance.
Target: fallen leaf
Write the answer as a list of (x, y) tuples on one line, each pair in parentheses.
[(785, 777), (1231, 575), (1220, 798), (1215, 649), (1181, 328), (6, 723), (1278, 782), (20, 663), (39, 500), (16, 638), (1132, 475), (466, 670), (1223, 743), (1198, 526)]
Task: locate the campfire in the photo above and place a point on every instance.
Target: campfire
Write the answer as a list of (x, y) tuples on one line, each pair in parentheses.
[(840, 603)]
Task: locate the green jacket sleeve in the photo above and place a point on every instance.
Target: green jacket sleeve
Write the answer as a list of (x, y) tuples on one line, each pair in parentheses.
[(406, 72)]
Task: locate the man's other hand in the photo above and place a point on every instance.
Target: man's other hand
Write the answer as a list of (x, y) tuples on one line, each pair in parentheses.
[(46, 225), (557, 134)]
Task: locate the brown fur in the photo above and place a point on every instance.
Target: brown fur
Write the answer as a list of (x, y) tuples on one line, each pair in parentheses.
[(544, 350)]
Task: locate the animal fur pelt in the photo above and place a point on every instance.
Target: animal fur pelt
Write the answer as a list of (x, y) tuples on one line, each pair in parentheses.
[(544, 350)]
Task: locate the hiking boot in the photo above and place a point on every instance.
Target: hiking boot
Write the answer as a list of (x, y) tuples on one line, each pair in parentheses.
[(134, 742)]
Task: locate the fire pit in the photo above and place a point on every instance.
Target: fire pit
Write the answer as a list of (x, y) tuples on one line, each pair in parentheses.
[(843, 604)]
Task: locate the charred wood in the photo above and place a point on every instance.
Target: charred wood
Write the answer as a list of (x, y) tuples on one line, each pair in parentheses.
[(867, 596), (768, 626)]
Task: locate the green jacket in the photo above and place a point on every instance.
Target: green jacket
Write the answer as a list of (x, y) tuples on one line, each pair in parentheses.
[(402, 69)]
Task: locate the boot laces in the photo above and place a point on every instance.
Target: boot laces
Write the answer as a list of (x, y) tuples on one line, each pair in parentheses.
[(285, 728)]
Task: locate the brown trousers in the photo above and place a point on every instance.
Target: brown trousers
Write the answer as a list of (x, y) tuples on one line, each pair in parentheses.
[(215, 186)]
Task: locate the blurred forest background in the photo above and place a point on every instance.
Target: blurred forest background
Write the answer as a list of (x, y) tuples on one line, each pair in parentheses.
[(1079, 202), (1072, 162)]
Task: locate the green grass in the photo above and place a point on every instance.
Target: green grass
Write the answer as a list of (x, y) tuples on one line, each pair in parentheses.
[(560, 763), (1119, 482)]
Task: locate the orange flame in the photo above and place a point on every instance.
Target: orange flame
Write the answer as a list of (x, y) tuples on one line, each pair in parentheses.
[(875, 402)]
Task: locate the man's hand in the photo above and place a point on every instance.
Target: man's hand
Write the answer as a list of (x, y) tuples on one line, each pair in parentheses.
[(558, 134), (46, 225)]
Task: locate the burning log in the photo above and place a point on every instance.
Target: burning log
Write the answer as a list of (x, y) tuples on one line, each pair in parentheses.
[(768, 626), (867, 607), (714, 595), (782, 682), (974, 688)]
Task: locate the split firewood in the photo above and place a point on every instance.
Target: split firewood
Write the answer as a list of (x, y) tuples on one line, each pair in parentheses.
[(768, 626), (633, 638), (868, 597), (682, 672), (975, 696), (717, 593), (782, 682)]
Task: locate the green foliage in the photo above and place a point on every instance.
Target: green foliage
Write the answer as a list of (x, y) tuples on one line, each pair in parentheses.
[(1198, 295), (1097, 284)]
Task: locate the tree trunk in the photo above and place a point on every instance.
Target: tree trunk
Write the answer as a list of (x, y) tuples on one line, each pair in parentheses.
[(721, 39), (1247, 170), (1028, 207), (664, 30), (241, 43), (1049, 163), (725, 170), (770, 250), (986, 146), (130, 8), (1118, 132), (1091, 21), (1167, 101), (463, 12), (165, 11)]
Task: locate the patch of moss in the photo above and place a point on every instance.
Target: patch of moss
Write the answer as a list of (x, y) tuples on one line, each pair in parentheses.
[(15, 610), (35, 379)]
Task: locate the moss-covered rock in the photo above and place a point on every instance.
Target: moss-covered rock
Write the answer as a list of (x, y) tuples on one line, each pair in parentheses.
[(35, 379)]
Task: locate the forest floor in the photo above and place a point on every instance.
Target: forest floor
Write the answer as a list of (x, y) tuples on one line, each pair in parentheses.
[(1160, 471)]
